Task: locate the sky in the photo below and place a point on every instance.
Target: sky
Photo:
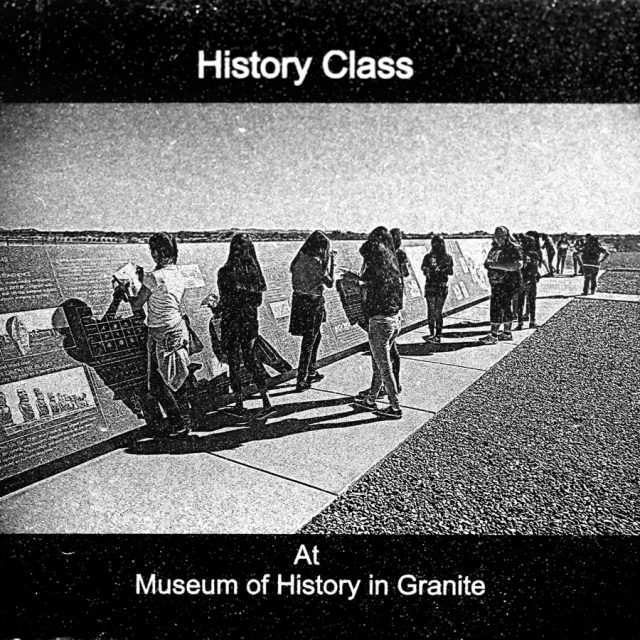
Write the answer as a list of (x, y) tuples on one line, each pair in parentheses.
[(422, 167)]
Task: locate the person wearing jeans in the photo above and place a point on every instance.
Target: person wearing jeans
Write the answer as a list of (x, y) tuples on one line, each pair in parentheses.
[(384, 286), (383, 332), (503, 266)]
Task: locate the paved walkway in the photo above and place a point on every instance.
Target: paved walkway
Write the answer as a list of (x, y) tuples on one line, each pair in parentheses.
[(274, 477)]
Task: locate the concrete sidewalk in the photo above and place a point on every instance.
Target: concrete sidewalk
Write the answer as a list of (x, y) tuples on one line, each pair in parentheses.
[(273, 477)]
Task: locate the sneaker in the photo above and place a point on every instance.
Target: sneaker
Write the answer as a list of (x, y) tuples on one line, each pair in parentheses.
[(533, 325), (390, 413), (302, 386), (518, 326), (488, 339), (505, 336), (315, 377), (366, 405)]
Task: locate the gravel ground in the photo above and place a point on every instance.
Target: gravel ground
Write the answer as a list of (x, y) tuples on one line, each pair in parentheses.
[(620, 282), (623, 260), (546, 442)]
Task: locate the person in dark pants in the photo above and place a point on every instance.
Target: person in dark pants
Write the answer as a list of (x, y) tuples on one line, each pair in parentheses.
[(311, 271), (578, 246), (437, 266), (403, 264), (503, 265), (591, 262), (241, 285), (528, 291)]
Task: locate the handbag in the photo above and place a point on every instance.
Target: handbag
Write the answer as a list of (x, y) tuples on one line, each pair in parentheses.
[(195, 344)]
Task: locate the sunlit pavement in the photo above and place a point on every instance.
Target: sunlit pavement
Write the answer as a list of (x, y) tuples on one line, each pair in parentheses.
[(274, 476)]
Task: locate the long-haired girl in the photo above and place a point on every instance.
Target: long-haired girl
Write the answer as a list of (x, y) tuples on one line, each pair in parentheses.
[(311, 271), (241, 285)]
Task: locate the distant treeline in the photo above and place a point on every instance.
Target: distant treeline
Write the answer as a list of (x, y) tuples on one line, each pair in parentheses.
[(629, 242)]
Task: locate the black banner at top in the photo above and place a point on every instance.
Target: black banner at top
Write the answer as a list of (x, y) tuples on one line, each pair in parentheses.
[(328, 51)]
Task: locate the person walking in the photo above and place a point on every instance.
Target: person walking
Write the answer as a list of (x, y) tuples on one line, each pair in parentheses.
[(437, 266), (563, 248), (591, 261), (311, 271), (168, 336), (383, 302), (503, 265), (241, 285)]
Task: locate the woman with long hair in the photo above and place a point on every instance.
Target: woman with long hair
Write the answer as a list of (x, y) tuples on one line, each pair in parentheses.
[(437, 266), (503, 265), (311, 271), (168, 337), (241, 285), (383, 301)]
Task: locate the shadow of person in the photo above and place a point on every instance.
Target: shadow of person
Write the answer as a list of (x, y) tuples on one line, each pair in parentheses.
[(114, 348), (463, 334), (464, 324), (254, 432), (427, 349)]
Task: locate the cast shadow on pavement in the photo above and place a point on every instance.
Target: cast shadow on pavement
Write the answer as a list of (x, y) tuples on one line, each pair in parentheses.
[(427, 349), (255, 430)]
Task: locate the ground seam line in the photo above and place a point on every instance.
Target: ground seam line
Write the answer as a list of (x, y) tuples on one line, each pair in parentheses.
[(271, 473)]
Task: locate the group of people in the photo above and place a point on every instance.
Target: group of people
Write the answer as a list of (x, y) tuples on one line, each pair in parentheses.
[(553, 256), (513, 268), (513, 271)]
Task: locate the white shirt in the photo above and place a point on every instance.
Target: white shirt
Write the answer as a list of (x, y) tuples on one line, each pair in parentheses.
[(167, 286)]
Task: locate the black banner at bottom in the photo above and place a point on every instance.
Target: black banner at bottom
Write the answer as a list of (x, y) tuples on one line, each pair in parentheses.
[(236, 586)]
